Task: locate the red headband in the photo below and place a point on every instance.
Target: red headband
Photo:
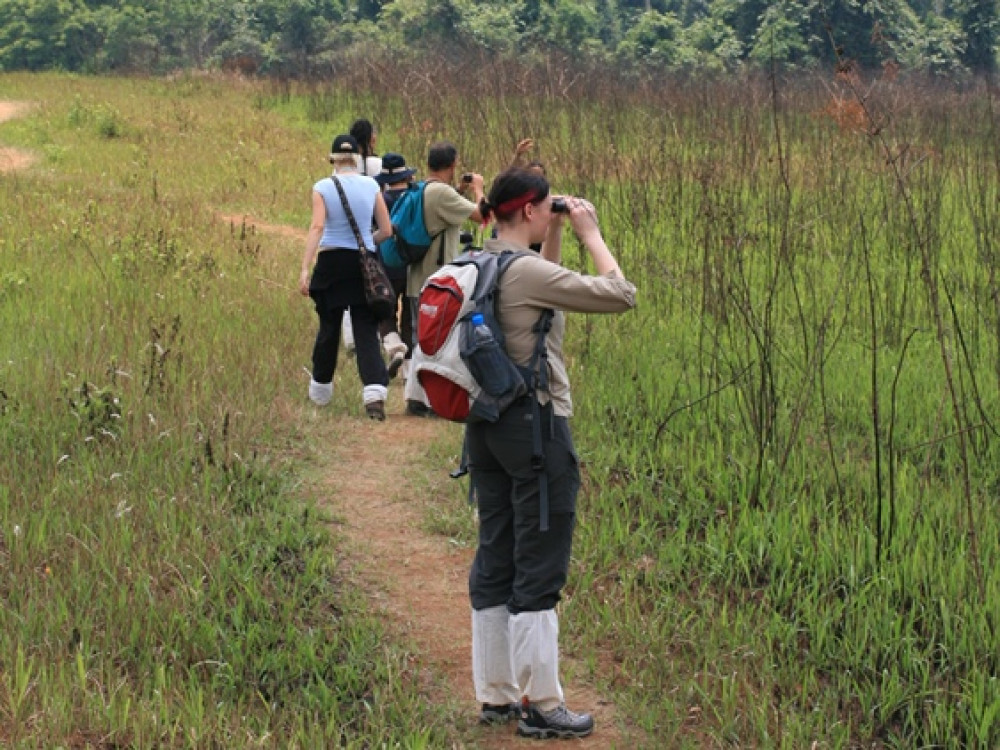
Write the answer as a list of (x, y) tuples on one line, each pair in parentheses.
[(509, 207)]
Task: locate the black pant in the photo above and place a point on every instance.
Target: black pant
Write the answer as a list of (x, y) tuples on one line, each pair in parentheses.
[(371, 367), (516, 563)]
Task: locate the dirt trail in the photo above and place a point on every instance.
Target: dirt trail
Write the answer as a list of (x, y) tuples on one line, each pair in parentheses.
[(14, 159), (417, 579)]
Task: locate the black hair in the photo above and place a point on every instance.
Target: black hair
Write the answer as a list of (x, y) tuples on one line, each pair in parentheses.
[(441, 156), (363, 131), (509, 185), (535, 164)]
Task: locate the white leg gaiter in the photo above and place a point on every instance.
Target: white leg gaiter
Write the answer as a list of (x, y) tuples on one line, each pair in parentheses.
[(320, 393), (372, 393), (492, 669), (535, 647), (392, 344)]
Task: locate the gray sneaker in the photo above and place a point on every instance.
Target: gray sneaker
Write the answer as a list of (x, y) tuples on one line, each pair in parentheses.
[(560, 723)]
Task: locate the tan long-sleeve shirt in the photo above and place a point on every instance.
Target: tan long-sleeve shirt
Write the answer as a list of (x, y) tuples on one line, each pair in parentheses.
[(532, 284)]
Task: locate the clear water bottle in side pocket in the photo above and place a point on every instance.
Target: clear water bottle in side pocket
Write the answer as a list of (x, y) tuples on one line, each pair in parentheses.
[(488, 362)]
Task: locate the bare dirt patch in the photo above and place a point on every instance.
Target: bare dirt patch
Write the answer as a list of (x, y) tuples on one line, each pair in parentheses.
[(255, 225), (10, 110), (14, 159)]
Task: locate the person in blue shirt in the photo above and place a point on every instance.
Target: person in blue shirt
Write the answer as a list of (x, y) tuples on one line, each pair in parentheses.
[(335, 284)]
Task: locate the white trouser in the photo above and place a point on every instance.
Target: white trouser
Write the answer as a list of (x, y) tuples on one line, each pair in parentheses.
[(534, 641), (492, 667)]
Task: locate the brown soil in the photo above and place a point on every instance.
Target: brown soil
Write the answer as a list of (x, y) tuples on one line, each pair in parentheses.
[(281, 230), (14, 159)]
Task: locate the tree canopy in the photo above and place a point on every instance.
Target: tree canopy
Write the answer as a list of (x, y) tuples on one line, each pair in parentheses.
[(302, 37)]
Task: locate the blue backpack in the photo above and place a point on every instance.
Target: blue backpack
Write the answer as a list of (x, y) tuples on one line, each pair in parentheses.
[(410, 240)]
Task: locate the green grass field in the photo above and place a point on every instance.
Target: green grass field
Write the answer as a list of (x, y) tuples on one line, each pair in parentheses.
[(788, 528)]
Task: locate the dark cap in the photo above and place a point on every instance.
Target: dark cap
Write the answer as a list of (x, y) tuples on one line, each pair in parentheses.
[(344, 144)]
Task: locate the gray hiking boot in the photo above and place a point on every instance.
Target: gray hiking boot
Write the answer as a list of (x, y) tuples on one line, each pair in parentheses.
[(560, 723)]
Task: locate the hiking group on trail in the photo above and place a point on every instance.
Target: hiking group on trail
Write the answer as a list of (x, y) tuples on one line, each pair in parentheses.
[(481, 343)]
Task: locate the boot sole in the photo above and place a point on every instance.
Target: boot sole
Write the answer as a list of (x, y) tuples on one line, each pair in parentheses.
[(537, 733)]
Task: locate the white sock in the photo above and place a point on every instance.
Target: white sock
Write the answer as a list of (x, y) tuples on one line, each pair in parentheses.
[(320, 393), (393, 344), (372, 393)]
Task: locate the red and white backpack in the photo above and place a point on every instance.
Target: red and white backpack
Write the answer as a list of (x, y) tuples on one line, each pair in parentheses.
[(463, 368)]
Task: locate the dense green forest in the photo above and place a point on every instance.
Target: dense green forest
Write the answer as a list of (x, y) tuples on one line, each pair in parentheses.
[(308, 37)]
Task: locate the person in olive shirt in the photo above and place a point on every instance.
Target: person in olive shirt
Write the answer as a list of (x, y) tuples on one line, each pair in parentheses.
[(445, 209)]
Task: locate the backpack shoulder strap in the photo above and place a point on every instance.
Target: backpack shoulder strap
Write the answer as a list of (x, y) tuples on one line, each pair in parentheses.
[(440, 244), (538, 365), (506, 257), (536, 377)]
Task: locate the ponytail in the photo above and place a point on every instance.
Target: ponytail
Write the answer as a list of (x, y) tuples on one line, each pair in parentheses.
[(362, 130), (485, 209)]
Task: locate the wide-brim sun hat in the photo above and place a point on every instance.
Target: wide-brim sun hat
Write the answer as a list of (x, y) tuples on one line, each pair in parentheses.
[(394, 170)]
